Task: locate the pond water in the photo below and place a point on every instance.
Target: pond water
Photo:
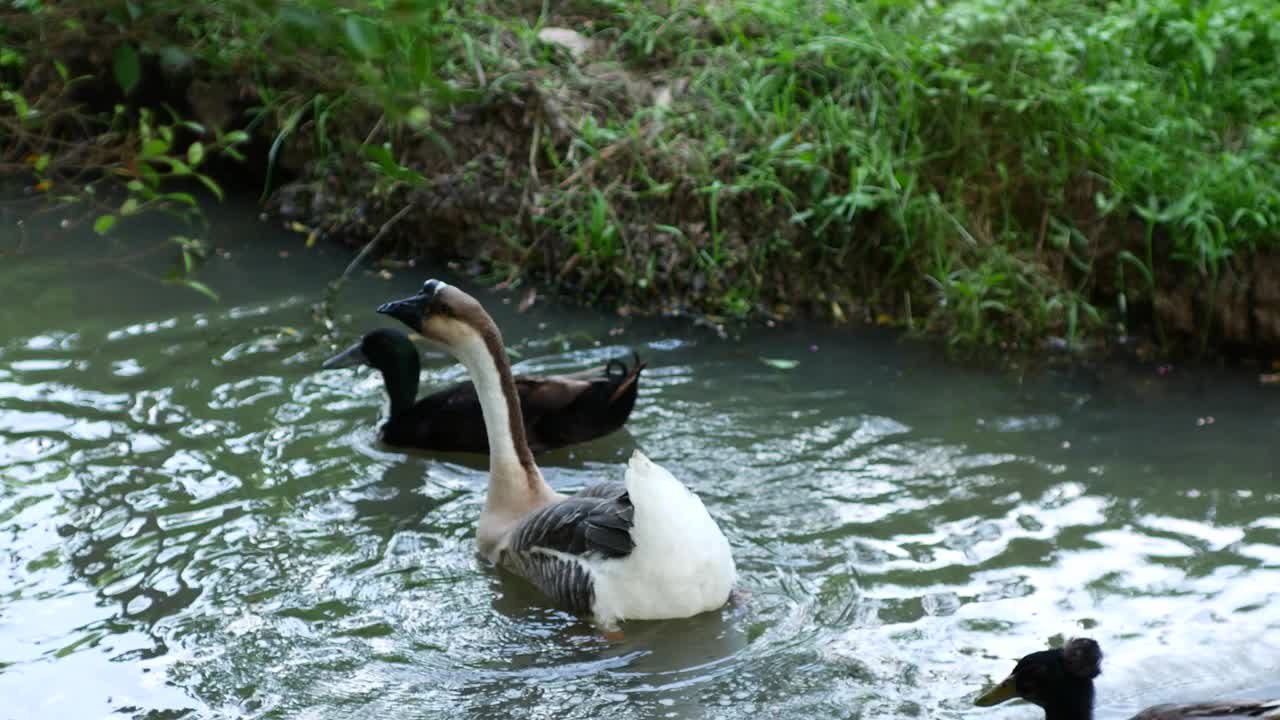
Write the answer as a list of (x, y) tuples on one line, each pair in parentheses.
[(194, 516)]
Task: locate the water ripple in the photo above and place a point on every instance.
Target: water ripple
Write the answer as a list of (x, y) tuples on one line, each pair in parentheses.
[(202, 518)]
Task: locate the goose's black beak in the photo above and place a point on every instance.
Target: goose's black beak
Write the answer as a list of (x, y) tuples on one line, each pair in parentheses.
[(353, 355), (409, 311)]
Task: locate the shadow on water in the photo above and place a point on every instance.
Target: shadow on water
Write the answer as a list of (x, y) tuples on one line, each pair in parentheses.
[(197, 517)]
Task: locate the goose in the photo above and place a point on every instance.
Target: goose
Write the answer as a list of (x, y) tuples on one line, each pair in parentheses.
[(1061, 682), (641, 549), (557, 410)]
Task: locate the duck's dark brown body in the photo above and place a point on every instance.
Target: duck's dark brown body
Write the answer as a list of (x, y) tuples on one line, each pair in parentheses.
[(558, 410)]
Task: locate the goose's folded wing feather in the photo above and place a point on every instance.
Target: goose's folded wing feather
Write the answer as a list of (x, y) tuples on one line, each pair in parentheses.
[(608, 490), (550, 546), (579, 525)]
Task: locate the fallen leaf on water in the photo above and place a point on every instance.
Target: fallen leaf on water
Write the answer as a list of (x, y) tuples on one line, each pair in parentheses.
[(527, 300), (780, 363), (1269, 378), (884, 319)]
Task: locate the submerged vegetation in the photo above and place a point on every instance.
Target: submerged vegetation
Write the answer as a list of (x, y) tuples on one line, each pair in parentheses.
[(997, 172)]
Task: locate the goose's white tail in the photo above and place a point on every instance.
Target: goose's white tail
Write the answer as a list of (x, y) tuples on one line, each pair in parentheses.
[(681, 564)]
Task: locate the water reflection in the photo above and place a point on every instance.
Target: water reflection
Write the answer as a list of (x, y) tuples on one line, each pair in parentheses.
[(197, 517)]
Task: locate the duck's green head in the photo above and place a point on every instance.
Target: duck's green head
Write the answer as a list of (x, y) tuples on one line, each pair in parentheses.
[(1061, 679), (382, 349), (391, 353)]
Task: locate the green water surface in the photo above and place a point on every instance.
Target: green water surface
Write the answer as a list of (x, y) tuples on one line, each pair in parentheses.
[(193, 516)]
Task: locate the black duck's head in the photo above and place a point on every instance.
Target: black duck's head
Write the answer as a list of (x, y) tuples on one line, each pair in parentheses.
[(441, 313), (385, 349), (1058, 680), (391, 353)]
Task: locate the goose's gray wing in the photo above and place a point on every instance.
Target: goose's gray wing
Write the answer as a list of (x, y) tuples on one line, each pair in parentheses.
[(550, 546), (608, 490)]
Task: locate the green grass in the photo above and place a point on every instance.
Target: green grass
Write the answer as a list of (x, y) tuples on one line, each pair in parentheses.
[(993, 171)]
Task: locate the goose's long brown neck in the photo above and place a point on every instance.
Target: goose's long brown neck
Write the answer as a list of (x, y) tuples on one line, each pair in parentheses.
[(486, 360)]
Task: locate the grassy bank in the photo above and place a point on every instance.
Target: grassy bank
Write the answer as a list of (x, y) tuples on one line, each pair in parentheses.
[(995, 172)]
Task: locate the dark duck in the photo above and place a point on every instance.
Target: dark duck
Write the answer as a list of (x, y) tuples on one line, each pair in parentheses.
[(1061, 682), (558, 410)]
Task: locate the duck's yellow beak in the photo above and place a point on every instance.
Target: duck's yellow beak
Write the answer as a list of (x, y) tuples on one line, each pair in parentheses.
[(1005, 691)]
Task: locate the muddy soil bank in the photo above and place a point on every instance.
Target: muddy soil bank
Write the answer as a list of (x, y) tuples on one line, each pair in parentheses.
[(478, 205), (480, 185)]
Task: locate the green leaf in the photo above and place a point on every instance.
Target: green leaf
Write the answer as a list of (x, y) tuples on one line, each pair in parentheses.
[(780, 363), (363, 35), (1207, 57), (236, 137), (381, 156), (289, 125), (1126, 256), (174, 58), (19, 103), (103, 224), (176, 166), (418, 117), (209, 183), (154, 147), (129, 207), (421, 61), (201, 288), (185, 198), (12, 58), (42, 162), (195, 153), (128, 69)]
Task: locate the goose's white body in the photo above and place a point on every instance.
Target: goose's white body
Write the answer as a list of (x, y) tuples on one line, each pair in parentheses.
[(649, 553), (681, 565)]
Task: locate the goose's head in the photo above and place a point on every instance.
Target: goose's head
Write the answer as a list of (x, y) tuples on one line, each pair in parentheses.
[(441, 313), (1058, 679)]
